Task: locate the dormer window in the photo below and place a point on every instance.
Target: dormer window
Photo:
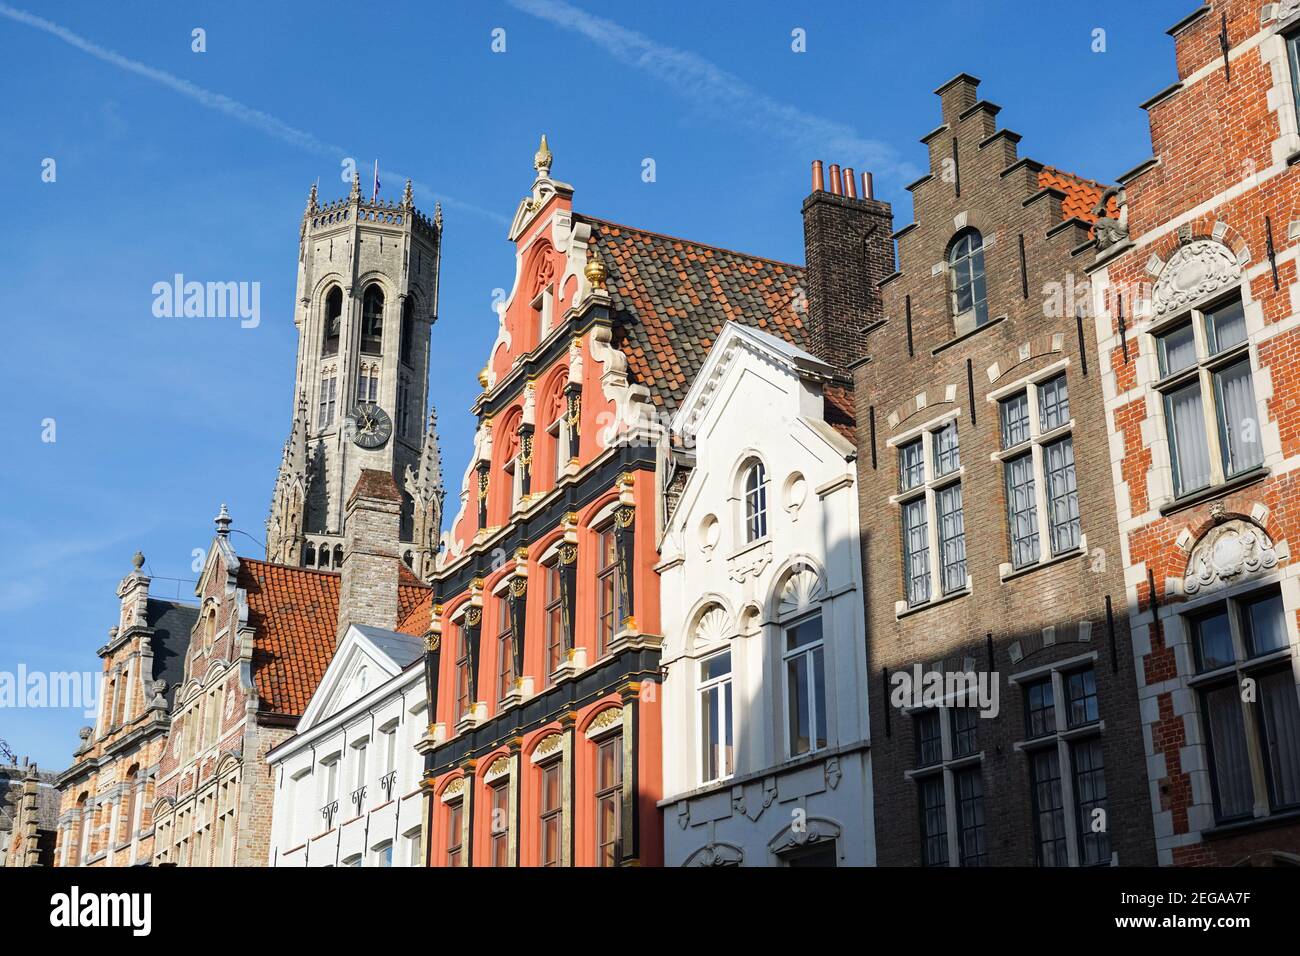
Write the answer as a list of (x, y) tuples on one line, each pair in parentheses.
[(966, 278), (333, 321), (372, 321)]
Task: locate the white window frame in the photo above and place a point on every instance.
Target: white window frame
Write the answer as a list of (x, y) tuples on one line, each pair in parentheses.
[(788, 655), (724, 713), (1034, 445), (761, 512), (930, 487)]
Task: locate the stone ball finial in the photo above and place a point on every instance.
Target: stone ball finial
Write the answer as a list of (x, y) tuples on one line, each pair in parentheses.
[(137, 559), (112, 634)]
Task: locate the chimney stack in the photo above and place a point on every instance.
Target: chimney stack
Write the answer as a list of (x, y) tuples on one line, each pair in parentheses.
[(849, 248), (371, 555)]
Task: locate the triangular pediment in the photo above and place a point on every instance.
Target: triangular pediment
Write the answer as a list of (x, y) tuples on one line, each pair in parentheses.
[(365, 660)]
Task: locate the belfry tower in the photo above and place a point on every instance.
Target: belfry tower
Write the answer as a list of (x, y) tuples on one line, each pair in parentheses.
[(367, 297)]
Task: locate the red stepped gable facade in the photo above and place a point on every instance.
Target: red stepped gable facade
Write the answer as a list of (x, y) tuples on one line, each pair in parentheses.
[(1196, 304)]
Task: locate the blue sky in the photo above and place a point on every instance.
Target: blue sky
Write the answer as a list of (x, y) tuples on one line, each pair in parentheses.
[(174, 161)]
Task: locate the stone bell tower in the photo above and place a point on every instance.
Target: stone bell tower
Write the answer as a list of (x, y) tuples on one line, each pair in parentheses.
[(367, 296)]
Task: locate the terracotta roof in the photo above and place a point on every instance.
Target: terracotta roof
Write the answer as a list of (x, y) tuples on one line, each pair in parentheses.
[(410, 593), (294, 613), (1081, 195), (415, 619), (671, 297)]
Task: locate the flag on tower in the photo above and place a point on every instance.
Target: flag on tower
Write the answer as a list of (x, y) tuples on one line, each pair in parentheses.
[(375, 197)]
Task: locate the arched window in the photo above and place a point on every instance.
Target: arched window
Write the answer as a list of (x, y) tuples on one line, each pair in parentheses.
[(966, 268), (755, 501), (408, 331), (372, 321), (333, 321), (713, 695)]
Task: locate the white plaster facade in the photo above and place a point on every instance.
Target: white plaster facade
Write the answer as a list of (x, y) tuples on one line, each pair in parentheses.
[(347, 783), (759, 399)]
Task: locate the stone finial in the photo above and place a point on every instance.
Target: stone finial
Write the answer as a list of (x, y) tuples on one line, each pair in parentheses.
[(542, 158), (312, 204), (595, 270), (355, 194), (437, 215), (137, 559), (112, 634), (483, 377), (408, 198), (222, 521)]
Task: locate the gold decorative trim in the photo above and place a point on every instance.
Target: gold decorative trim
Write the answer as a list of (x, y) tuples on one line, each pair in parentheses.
[(500, 767)]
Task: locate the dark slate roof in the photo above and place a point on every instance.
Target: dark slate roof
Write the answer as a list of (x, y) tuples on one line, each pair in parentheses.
[(172, 623), (402, 649), (670, 298), (11, 791)]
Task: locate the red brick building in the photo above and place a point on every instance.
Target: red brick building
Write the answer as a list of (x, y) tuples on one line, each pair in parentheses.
[(1195, 296)]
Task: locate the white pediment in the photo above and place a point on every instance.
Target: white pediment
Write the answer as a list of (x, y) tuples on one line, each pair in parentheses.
[(357, 669)]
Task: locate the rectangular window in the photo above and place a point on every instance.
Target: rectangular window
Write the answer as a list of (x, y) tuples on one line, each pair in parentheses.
[(1081, 698), (328, 395), (934, 822), (911, 465), (1015, 420), (1211, 415), (1040, 709), (505, 650), (609, 800), (947, 457), (382, 854), (1062, 495), (554, 621), (499, 823), (551, 813), (463, 702), (965, 724), (805, 686), (1049, 811), (454, 835), (952, 538), (1237, 642), (611, 614), (716, 746), (1090, 802), (1022, 510), (970, 817), (916, 552), (929, 737), (1053, 404)]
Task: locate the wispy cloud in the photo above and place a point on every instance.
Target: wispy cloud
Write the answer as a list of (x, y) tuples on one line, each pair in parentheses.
[(241, 113), (723, 94)]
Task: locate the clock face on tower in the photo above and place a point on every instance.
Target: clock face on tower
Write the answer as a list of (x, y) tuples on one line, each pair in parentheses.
[(371, 426)]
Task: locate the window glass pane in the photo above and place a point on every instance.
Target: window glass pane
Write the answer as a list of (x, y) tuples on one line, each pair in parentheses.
[(1239, 442), (1225, 326), (1265, 625), (1190, 451), (966, 268), (1015, 420), (1053, 404), (756, 502), (1177, 350), (946, 456), (1062, 495), (1081, 697), (970, 816), (1089, 798), (934, 823), (911, 465), (719, 665), (804, 633), (1022, 513), (1281, 727), (1049, 812), (819, 698), (710, 733), (952, 538), (916, 552), (929, 737), (1213, 640), (797, 695), (1229, 758), (1040, 710)]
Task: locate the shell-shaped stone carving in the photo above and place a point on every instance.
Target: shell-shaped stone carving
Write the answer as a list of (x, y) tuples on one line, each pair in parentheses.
[(1198, 269), (1226, 553)]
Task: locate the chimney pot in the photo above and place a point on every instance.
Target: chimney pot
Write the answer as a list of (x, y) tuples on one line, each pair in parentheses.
[(850, 187), (867, 187), (818, 181), (835, 179)]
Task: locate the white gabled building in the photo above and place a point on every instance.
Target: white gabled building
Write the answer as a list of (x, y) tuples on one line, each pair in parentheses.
[(347, 783), (766, 759)]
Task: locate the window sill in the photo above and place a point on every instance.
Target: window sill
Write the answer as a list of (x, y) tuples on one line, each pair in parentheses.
[(965, 335), (1278, 819), (1195, 498), (1006, 576), (918, 608)]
